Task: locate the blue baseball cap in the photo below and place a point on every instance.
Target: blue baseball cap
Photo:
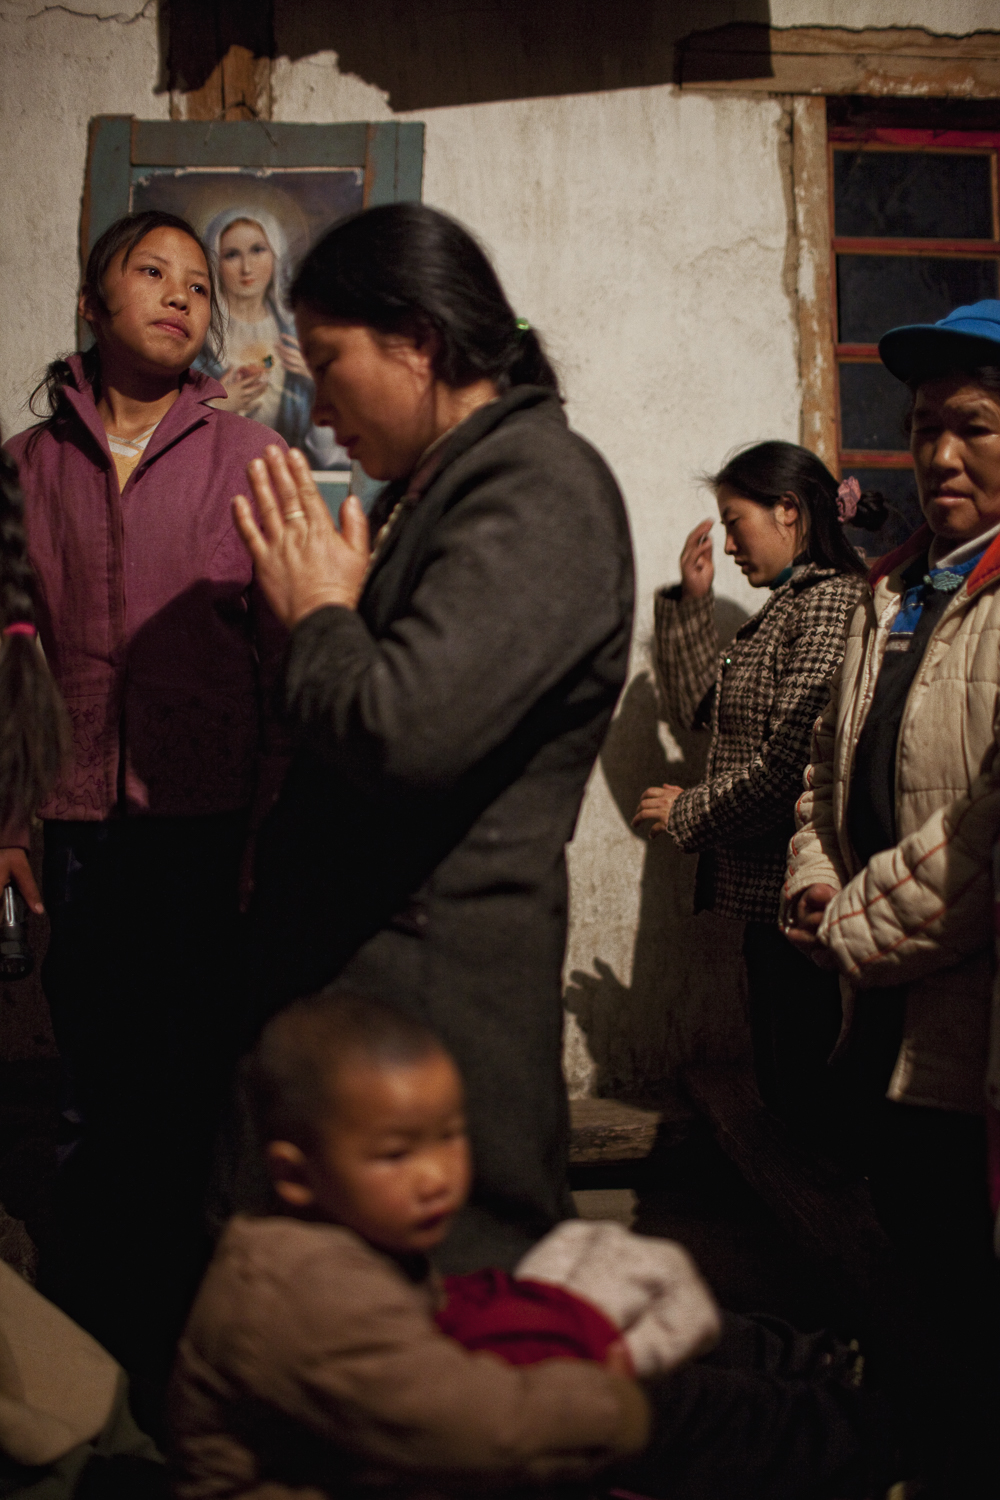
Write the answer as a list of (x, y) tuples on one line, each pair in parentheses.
[(968, 336)]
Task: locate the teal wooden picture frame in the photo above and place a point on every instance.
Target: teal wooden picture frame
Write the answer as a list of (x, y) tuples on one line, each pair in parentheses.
[(122, 151)]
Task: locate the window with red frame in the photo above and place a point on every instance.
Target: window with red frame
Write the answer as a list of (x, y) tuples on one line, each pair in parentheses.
[(916, 232)]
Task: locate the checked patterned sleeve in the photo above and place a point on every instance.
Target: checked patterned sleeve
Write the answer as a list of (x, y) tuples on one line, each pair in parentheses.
[(750, 799), (686, 656)]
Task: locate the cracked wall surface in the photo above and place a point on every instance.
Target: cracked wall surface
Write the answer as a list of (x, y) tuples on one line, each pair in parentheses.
[(947, 17), (647, 235), (109, 17)]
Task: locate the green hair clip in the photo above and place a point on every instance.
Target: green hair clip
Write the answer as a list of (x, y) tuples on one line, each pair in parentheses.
[(523, 325)]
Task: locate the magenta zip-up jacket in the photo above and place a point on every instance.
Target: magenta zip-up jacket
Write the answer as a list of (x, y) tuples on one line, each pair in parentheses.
[(161, 642)]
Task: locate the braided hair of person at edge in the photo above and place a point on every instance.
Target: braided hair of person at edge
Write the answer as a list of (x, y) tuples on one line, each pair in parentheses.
[(34, 727)]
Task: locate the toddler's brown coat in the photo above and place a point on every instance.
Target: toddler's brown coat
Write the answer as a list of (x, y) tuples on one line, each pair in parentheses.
[(311, 1365)]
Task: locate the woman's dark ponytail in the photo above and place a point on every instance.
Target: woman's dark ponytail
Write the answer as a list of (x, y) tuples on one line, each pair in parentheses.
[(872, 512), (408, 269), (34, 728), (46, 400), (767, 472), (531, 366)]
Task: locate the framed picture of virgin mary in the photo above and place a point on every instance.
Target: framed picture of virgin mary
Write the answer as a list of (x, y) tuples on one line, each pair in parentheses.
[(259, 194)]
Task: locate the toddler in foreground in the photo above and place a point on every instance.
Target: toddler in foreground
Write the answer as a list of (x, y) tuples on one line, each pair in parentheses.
[(323, 1357)]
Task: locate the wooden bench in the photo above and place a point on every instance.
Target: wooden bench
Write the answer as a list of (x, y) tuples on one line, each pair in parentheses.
[(605, 1130)]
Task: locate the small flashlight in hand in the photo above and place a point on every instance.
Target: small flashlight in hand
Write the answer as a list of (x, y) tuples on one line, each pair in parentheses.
[(16, 958)]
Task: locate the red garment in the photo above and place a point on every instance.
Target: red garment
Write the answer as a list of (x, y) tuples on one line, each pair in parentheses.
[(163, 646), (523, 1321)]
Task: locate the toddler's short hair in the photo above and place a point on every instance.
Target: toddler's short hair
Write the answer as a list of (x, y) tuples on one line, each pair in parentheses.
[(290, 1071)]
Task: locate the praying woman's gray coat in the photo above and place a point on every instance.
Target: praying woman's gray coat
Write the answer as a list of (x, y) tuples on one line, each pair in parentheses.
[(446, 731)]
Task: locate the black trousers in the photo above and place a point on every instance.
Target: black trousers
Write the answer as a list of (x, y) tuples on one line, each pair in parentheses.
[(795, 1016), (768, 1415), (795, 1020), (940, 1339), (143, 980)]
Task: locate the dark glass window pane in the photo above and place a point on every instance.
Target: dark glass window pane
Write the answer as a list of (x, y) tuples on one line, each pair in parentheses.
[(879, 292), (900, 490), (917, 194), (873, 408)]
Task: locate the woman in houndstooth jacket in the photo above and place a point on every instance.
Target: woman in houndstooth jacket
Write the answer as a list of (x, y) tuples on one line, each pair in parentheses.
[(783, 515)]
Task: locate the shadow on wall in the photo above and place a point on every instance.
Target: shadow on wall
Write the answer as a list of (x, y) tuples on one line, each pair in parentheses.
[(430, 53), (685, 1003)]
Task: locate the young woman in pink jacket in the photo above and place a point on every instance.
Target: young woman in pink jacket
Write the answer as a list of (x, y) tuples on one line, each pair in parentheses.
[(163, 648)]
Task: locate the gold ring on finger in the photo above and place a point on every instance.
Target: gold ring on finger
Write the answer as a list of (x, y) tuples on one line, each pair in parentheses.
[(292, 515)]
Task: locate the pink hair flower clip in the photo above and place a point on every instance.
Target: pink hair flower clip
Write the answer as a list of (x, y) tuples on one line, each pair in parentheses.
[(848, 498)]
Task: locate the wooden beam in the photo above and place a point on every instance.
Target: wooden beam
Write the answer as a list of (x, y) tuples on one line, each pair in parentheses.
[(248, 143), (755, 58), (238, 88), (817, 365)]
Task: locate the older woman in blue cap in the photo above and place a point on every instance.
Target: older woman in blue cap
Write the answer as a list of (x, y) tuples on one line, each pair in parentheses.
[(889, 880)]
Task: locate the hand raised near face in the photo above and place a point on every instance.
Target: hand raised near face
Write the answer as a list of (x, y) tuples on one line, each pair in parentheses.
[(697, 567)]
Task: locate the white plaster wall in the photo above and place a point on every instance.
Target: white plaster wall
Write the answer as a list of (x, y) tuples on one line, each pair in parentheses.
[(57, 70)]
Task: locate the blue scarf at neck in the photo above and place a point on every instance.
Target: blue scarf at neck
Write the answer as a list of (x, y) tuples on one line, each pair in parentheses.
[(935, 581)]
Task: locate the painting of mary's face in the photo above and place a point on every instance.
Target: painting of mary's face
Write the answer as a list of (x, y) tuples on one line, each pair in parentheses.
[(246, 262)]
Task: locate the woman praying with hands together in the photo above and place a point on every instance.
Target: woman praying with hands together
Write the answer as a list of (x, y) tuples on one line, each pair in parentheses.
[(783, 516), (449, 690)]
